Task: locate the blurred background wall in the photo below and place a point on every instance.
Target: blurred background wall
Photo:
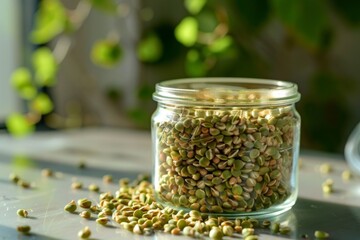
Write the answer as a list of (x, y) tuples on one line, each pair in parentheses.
[(9, 57), (110, 54)]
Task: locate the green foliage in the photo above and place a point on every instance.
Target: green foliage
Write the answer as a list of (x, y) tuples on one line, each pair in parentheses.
[(18, 125), (187, 31), (306, 19), (106, 53), (51, 20), (214, 38), (194, 6), (348, 9), (171, 49), (45, 66), (21, 77), (145, 92), (113, 94), (22, 82), (221, 44), (108, 6), (194, 64), (207, 21), (42, 104), (140, 117), (150, 48), (253, 14)]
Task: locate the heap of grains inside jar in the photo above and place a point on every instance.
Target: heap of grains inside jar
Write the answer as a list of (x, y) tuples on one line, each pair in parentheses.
[(225, 161)]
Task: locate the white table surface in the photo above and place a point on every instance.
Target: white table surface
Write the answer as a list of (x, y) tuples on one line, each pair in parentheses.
[(124, 153)]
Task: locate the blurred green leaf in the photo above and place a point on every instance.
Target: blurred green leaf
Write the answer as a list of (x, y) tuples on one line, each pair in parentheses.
[(207, 21), (194, 64), (194, 6), (307, 19), (28, 92), (50, 21), (113, 94), (140, 117), (150, 48), (18, 125), (69, 26), (253, 13), (45, 66), (145, 92), (221, 44), (42, 104), (187, 31), (171, 48), (348, 9), (22, 83), (109, 6), (106, 53), (20, 78)]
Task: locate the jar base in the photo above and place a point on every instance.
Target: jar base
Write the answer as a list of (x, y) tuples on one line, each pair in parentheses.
[(266, 213)]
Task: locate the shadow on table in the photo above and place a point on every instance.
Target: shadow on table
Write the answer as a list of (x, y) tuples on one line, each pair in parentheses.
[(340, 221), (12, 233), (72, 169)]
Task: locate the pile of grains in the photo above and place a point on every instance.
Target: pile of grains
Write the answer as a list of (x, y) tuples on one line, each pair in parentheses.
[(134, 207)]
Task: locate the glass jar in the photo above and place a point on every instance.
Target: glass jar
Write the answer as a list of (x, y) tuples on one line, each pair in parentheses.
[(226, 146)]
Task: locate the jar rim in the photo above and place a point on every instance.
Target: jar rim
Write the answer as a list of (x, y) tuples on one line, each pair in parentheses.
[(226, 91)]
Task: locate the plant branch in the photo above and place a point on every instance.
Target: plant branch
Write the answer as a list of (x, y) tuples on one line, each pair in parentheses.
[(64, 42)]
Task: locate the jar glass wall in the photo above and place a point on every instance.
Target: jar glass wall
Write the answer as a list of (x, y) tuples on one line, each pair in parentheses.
[(226, 146)]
